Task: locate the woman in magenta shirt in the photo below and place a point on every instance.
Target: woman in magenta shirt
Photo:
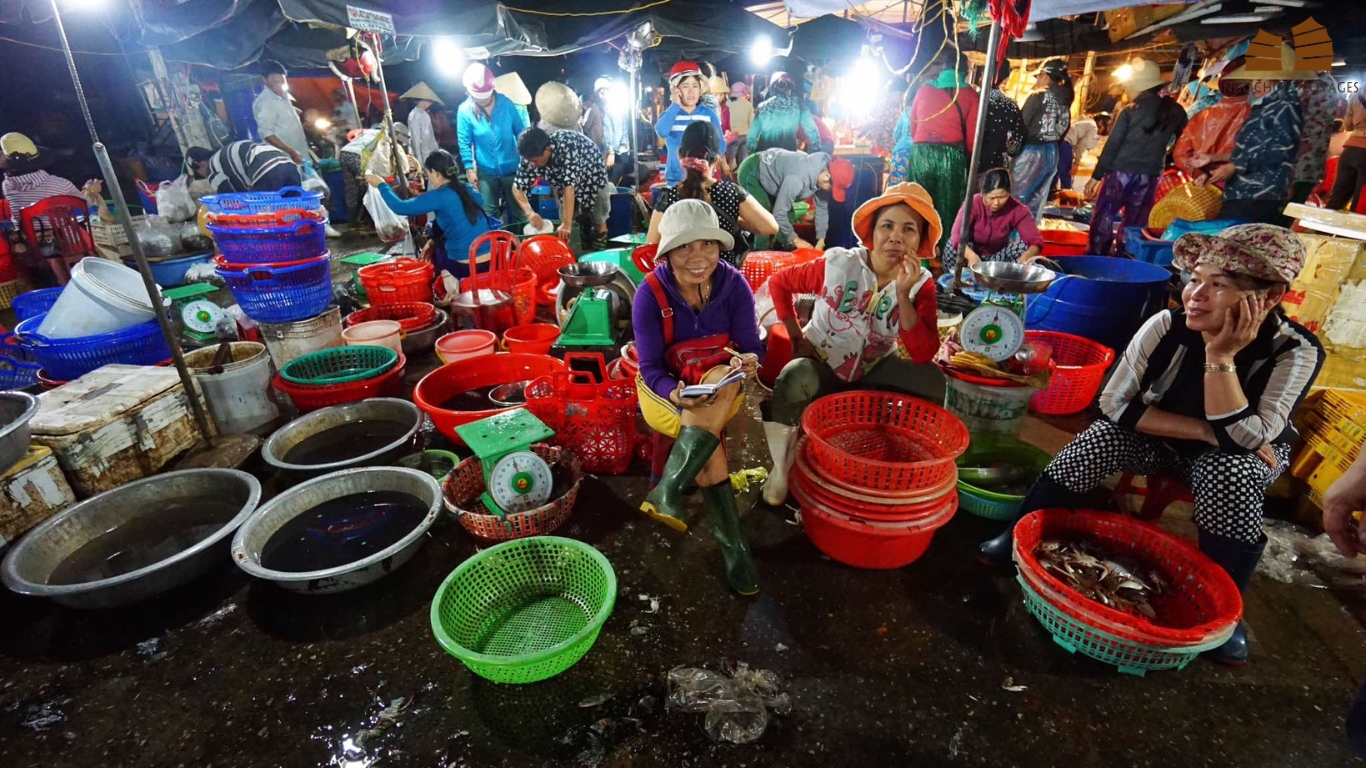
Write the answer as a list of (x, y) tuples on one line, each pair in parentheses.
[(1002, 226)]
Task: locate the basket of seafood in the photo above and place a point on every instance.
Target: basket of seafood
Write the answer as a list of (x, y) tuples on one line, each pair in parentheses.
[(1123, 591)]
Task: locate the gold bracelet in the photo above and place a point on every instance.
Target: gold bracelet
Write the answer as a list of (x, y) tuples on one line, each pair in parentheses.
[(1220, 368)]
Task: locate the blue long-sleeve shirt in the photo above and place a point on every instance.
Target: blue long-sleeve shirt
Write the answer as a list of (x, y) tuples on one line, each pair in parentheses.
[(614, 132), (490, 141), (670, 128), (444, 203)]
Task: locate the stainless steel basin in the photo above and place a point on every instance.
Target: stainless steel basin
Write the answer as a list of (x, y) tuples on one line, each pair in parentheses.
[(16, 411), (32, 561), (257, 530), (308, 425)]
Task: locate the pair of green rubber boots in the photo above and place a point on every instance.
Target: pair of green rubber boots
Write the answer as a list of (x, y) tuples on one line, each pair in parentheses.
[(690, 454)]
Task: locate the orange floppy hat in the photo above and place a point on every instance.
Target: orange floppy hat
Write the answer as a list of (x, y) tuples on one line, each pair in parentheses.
[(908, 193)]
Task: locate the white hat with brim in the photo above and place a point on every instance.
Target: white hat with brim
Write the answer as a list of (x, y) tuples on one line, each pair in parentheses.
[(1145, 75), (688, 221), (422, 92)]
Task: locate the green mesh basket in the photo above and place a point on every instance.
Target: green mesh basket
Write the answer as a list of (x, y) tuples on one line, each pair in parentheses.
[(992, 449), (339, 365), (1130, 657), (525, 610), (992, 506)]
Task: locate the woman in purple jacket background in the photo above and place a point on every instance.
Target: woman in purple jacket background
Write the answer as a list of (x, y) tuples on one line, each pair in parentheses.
[(705, 296)]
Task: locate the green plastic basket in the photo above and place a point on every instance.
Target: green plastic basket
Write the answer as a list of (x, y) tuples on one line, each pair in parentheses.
[(1130, 657), (991, 448), (525, 610), (339, 365)]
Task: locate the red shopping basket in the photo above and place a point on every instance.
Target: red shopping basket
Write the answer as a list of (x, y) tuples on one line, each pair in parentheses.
[(592, 415), (1080, 367)]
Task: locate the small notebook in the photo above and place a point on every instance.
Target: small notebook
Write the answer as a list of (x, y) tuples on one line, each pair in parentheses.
[(707, 390)]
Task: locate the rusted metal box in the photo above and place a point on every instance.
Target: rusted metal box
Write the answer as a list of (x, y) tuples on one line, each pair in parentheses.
[(31, 491), (115, 425)]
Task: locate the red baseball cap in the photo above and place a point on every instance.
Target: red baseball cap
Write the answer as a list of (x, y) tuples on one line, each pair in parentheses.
[(841, 176)]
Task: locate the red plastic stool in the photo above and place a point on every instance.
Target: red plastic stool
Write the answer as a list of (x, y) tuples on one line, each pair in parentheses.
[(1161, 492)]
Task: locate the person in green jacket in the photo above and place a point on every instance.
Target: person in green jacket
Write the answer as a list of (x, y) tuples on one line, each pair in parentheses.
[(779, 117)]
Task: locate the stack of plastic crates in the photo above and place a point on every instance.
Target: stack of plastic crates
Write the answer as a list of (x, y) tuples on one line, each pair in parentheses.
[(273, 252), (1333, 424), (18, 369)]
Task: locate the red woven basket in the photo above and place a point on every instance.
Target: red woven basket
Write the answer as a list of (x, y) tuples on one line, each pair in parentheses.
[(826, 492), (593, 415), (309, 398), (397, 282), (759, 266), (412, 316), (465, 483), (1201, 602), (883, 443), (865, 544), (1080, 368), (544, 255)]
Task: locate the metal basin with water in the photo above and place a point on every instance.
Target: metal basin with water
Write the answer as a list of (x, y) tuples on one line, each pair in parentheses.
[(256, 531), (16, 411), (29, 566), (374, 409)]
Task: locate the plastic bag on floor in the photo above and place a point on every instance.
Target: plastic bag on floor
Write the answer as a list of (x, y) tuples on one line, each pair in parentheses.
[(389, 225), (736, 704)]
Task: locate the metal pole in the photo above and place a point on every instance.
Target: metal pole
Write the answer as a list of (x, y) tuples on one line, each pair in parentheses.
[(401, 160), (988, 78), (1088, 75), (112, 182), (633, 115)]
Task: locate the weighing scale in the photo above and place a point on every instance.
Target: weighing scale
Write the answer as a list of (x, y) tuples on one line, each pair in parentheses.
[(996, 329), (516, 479), (592, 308), (199, 316)]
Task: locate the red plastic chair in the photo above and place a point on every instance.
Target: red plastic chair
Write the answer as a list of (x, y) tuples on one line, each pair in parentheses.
[(498, 278), (66, 217), (1161, 492)]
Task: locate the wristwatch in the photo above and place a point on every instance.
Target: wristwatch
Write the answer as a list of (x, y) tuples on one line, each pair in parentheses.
[(1220, 368)]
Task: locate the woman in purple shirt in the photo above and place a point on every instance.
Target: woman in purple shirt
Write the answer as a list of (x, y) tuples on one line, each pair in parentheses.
[(690, 295), (1002, 227)]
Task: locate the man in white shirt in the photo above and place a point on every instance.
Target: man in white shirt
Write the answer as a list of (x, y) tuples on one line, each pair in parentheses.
[(420, 122), (276, 119)]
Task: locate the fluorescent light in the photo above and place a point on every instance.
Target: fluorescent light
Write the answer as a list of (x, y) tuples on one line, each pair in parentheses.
[(448, 57), (1123, 73), (862, 88), (1339, 63), (1239, 18), (322, 123)]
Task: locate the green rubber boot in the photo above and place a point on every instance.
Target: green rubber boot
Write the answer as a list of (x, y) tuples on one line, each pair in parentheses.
[(741, 574), (690, 454)]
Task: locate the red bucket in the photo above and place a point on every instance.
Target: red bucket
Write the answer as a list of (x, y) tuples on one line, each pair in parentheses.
[(533, 339)]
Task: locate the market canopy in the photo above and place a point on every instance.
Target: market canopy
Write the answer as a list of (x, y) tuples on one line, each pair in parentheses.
[(701, 25)]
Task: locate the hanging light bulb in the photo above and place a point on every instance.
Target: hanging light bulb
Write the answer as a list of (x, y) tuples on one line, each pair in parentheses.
[(448, 57), (761, 53)]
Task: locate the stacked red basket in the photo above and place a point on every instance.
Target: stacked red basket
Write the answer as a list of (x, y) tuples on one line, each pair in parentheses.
[(875, 476)]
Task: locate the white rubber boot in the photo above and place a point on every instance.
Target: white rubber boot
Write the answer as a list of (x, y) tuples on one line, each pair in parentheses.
[(782, 440)]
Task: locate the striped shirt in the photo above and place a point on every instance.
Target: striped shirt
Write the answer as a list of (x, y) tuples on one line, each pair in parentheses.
[(1165, 366), (670, 128), (26, 189), (240, 165)]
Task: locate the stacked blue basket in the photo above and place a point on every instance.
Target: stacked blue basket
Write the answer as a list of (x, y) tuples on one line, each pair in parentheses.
[(69, 359), (274, 256)]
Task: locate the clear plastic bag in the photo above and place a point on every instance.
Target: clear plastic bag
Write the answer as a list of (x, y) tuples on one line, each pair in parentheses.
[(191, 239), (391, 227), (312, 181), (736, 704), (159, 238), (173, 200)]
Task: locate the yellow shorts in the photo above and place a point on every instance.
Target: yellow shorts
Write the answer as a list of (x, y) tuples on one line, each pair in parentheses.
[(666, 418)]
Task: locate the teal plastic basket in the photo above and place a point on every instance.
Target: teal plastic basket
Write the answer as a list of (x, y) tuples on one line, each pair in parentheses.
[(975, 501), (992, 448), (1129, 657)]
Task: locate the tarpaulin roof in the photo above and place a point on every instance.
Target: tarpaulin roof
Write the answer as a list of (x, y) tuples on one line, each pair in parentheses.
[(703, 25)]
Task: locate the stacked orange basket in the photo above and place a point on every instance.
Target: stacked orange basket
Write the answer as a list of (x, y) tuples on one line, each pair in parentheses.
[(875, 476)]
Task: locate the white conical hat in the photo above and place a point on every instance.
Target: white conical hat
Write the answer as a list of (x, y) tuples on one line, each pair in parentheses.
[(511, 86), (422, 92)]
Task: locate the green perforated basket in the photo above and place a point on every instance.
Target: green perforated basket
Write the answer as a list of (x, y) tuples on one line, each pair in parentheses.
[(339, 365), (525, 610)]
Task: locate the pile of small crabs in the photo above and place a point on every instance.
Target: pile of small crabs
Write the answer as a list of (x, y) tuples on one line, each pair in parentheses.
[(1110, 580)]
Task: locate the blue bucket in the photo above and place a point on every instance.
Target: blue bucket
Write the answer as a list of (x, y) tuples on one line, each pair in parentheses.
[(619, 219), (1105, 299), (171, 272)]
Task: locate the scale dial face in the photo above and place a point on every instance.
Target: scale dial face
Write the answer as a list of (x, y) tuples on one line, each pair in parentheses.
[(520, 481), (996, 332), (202, 315)]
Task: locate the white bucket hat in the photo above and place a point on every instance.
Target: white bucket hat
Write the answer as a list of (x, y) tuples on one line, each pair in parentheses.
[(687, 221)]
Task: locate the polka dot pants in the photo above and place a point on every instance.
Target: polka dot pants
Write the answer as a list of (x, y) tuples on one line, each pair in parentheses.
[(1229, 489)]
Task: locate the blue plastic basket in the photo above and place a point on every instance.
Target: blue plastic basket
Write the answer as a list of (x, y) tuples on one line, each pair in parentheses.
[(280, 293), (1130, 657), (1157, 252), (305, 239), (289, 198), (68, 359), (17, 374), (35, 303)]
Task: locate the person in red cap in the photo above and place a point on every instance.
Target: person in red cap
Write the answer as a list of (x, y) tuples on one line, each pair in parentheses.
[(777, 178), (686, 87)]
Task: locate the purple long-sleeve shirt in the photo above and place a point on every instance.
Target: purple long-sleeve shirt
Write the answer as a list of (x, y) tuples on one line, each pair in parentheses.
[(730, 310)]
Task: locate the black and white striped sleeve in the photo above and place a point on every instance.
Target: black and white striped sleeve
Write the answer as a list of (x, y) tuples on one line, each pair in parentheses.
[(1121, 401), (1297, 359)]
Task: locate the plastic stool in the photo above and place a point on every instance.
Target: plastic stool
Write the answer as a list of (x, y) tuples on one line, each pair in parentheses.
[(1161, 492)]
